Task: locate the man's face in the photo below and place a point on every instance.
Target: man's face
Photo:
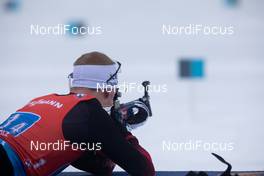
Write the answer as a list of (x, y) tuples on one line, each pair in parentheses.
[(109, 98)]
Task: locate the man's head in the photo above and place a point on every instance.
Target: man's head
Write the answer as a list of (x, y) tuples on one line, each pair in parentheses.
[(93, 73)]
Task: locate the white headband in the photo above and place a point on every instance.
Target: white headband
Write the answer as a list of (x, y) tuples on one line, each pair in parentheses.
[(92, 76)]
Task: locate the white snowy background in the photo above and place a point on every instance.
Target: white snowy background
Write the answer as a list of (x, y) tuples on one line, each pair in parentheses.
[(226, 106)]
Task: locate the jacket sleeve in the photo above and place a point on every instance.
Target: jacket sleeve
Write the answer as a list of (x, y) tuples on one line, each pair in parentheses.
[(95, 163), (149, 170), (121, 147)]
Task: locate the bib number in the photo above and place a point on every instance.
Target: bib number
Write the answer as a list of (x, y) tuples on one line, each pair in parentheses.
[(19, 122)]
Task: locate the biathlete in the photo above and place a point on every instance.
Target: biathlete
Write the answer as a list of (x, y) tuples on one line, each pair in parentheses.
[(54, 131)]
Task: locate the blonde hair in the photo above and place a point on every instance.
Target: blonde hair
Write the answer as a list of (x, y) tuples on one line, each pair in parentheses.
[(94, 58)]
